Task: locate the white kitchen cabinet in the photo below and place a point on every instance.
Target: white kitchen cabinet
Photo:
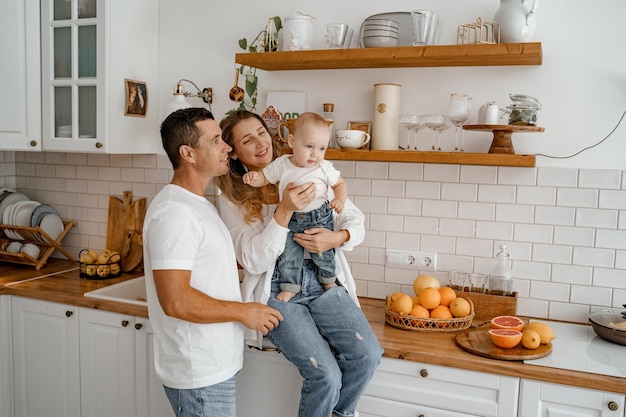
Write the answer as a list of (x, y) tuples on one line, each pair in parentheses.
[(117, 372), (89, 48), (268, 385), (6, 358), (46, 373), (20, 81), (404, 388), (543, 399)]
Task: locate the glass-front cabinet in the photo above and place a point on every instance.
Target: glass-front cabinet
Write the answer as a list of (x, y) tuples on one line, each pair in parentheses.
[(95, 53)]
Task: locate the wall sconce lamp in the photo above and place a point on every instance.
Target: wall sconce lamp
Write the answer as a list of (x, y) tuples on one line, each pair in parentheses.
[(179, 101)]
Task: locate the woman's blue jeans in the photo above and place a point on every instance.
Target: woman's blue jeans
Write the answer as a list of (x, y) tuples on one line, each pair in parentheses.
[(213, 401), (327, 337)]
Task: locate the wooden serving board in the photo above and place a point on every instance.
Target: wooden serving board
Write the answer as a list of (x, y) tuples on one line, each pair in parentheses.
[(124, 229), (478, 342)]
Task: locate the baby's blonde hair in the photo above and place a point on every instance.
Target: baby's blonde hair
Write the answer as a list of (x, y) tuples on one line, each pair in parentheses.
[(308, 119)]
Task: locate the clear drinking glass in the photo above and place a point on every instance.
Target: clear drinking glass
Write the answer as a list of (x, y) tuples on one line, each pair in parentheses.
[(412, 123), (437, 123), (458, 112), (478, 282)]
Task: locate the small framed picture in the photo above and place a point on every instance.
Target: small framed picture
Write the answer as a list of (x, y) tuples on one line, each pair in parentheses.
[(136, 98), (364, 126)]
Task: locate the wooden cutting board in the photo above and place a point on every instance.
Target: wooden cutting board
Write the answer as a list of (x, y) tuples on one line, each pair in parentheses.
[(124, 229), (478, 342)]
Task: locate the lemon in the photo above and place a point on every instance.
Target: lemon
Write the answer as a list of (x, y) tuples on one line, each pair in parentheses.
[(400, 303), (530, 339), (545, 332)]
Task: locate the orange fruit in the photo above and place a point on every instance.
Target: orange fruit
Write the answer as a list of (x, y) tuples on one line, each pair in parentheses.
[(424, 281), (447, 296), (416, 300), (505, 338), (460, 307), (507, 322), (544, 330), (420, 312), (440, 312), (400, 303), (430, 298), (530, 339)]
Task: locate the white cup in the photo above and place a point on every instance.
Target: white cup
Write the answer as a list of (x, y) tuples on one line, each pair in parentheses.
[(351, 138), (14, 247), (31, 250)]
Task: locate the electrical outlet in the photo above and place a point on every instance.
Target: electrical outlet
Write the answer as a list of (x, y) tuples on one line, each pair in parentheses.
[(412, 259)]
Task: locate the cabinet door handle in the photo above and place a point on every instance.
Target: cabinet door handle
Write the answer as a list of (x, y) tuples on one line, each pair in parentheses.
[(98, 145), (33, 143), (613, 406), (424, 373), (138, 326), (69, 313), (124, 323)]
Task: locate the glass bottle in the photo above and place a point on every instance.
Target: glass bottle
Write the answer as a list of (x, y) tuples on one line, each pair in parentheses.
[(500, 282), (329, 108)]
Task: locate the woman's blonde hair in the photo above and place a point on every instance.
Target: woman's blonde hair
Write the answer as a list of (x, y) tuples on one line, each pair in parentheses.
[(231, 184)]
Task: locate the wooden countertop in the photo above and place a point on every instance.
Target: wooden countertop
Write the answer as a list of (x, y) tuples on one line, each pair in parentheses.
[(426, 347)]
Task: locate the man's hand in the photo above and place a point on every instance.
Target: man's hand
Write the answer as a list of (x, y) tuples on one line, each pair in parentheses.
[(258, 316)]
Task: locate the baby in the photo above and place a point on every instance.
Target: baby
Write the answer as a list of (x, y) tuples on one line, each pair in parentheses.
[(309, 142)]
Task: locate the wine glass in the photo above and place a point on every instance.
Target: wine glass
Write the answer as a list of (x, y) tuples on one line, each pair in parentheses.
[(412, 123), (458, 113), (436, 123)]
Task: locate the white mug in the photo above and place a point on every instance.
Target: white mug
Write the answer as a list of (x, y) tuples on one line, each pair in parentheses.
[(353, 139)]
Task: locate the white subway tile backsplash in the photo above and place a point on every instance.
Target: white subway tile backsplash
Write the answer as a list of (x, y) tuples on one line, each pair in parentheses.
[(388, 188), (562, 216), (477, 211), (593, 257), (571, 274), (612, 199), (496, 193), (540, 196), (438, 208), (577, 236), (557, 177), (478, 174), (423, 189), (402, 171), (574, 197), (596, 178), (517, 176), (494, 230), (459, 192), (515, 213), (552, 253), (441, 172), (596, 218), (533, 233), (565, 227)]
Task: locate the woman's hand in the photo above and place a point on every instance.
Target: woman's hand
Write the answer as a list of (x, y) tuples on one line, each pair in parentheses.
[(295, 197), (319, 239)]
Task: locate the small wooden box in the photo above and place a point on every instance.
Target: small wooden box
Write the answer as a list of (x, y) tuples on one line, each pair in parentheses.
[(488, 306)]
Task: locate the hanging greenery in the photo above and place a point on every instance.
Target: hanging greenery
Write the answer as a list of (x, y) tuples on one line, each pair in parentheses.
[(265, 41)]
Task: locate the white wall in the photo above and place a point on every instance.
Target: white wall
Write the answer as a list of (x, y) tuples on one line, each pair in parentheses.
[(581, 84)]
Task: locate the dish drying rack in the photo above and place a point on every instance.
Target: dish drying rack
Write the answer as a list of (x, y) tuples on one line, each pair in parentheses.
[(37, 236)]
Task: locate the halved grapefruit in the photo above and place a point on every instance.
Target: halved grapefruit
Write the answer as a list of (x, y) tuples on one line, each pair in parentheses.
[(505, 338), (507, 322)]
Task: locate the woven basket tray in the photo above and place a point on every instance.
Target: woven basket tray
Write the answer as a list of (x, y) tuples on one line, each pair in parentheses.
[(407, 322)]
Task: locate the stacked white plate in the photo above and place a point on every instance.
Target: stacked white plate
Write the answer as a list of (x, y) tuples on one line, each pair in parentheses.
[(16, 209)]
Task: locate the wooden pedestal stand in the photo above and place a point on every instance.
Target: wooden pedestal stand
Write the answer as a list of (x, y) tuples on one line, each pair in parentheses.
[(502, 142)]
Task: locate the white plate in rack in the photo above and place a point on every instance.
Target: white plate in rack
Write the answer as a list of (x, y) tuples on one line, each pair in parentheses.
[(52, 225)]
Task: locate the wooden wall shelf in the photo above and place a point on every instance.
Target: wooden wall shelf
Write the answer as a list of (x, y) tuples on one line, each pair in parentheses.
[(462, 158), (398, 57)]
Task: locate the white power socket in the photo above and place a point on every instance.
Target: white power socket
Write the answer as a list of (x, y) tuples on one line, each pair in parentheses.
[(412, 259)]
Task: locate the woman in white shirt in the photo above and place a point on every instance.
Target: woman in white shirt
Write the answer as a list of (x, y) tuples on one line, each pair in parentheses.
[(323, 333)]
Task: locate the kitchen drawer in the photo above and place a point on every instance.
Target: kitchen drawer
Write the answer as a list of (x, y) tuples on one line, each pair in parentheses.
[(379, 407), (445, 388)]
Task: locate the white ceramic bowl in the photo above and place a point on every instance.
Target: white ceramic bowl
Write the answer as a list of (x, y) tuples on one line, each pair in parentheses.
[(367, 26), (377, 32), (379, 41), (384, 22)]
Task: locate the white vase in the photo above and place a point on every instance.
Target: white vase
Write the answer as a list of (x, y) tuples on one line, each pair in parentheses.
[(386, 124), (517, 20)]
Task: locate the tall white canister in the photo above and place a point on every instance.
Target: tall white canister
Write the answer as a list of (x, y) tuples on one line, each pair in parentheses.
[(386, 126)]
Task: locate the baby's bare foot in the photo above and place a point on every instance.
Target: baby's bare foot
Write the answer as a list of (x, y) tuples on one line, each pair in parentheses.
[(327, 286), (285, 296)]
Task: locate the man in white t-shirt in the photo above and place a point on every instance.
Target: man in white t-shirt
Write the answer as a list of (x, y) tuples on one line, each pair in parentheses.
[(194, 301)]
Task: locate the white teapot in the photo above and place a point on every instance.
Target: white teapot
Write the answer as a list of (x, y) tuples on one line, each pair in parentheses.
[(490, 114), (517, 20)]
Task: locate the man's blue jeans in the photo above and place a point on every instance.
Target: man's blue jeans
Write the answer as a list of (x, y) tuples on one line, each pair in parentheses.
[(327, 337), (289, 263), (213, 401)]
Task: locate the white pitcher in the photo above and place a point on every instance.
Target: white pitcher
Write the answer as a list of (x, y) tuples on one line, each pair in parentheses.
[(517, 20)]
